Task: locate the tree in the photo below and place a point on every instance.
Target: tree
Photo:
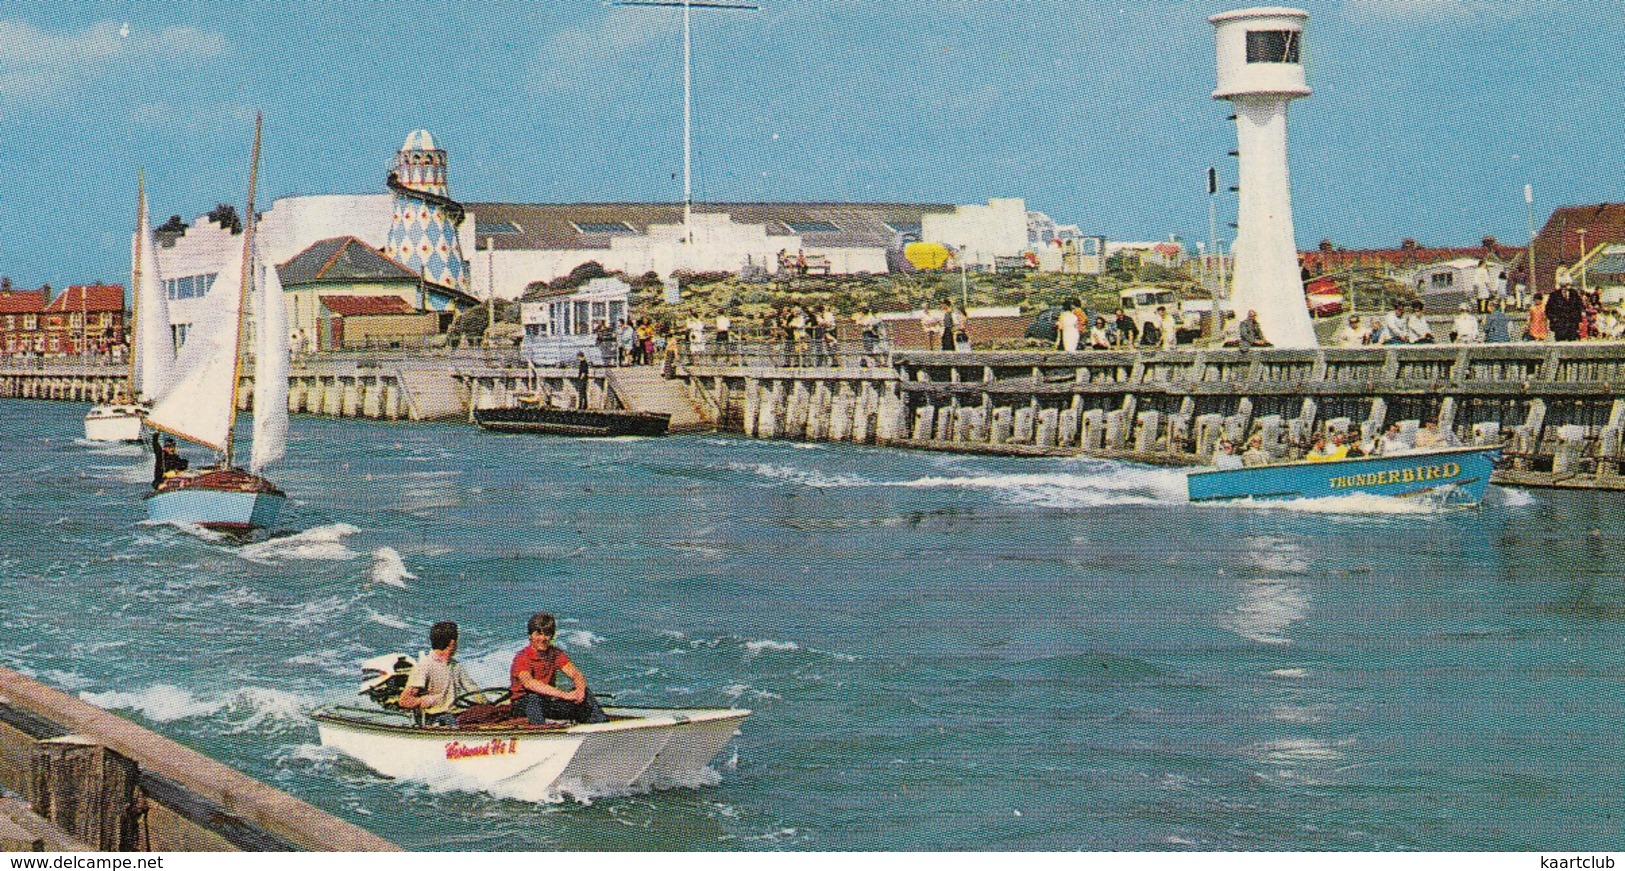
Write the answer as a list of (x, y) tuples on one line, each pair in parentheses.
[(579, 276), (173, 225), (225, 214)]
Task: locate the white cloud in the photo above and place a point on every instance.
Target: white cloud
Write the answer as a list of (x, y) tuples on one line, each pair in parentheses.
[(41, 64), (1441, 9)]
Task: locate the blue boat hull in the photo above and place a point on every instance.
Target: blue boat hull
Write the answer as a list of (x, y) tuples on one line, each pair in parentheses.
[(231, 501), (1457, 475)]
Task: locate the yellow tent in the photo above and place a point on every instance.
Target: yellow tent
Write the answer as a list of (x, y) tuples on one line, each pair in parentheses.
[(926, 255)]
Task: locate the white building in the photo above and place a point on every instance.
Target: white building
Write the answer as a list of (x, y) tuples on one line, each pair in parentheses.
[(519, 244)]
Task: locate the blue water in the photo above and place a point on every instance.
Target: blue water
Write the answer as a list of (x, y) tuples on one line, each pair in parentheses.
[(942, 652)]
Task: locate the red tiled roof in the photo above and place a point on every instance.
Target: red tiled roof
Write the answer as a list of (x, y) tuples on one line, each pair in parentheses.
[(345, 306), (1558, 243), (89, 298), (22, 302), (1405, 256)]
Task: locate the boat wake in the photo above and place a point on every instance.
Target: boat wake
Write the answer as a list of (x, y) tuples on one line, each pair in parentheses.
[(112, 449), (320, 543), (248, 709), (1354, 503), (1080, 484)]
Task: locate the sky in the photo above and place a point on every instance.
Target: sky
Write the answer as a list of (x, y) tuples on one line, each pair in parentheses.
[(1428, 116)]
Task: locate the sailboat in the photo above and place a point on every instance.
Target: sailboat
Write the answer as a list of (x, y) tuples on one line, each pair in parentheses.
[(201, 406), (152, 358)]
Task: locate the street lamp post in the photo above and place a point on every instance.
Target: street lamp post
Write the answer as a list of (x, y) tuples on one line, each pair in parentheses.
[(1582, 233), (1529, 257)]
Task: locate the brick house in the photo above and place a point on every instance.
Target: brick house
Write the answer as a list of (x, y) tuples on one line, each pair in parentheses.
[(20, 314), (84, 319)]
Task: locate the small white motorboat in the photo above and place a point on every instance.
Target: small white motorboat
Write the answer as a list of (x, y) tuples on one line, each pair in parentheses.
[(115, 422), (639, 749)]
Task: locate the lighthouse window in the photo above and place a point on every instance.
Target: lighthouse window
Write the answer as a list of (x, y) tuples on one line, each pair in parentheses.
[(603, 228), (1272, 46)]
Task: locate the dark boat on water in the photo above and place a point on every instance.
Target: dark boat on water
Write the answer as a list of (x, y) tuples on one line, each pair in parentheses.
[(538, 418)]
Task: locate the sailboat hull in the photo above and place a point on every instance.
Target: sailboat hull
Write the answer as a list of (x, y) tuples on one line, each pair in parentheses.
[(114, 423), (225, 500)]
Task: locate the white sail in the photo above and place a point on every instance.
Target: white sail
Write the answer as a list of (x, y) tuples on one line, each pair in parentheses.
[(199, 406), (270, 369), (155, 349)]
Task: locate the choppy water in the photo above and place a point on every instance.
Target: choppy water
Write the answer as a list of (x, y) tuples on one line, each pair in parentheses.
[(942, 652)]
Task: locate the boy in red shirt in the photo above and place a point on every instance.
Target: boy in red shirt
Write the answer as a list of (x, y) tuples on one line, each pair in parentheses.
[(534, 670)]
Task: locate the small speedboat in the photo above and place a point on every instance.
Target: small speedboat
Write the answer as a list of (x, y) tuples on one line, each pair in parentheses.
[(1453, 476), (637, 750)]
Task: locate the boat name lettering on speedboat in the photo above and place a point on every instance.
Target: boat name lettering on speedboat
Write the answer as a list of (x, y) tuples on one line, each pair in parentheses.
[(1398, 476), (496, 747)]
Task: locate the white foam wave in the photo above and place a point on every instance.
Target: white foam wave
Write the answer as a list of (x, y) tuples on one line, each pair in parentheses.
[(388, 568), (324, 543), (111, 449), (738, 690), (161, 703), (804, 477), (1354, 503), (267, 708), (1289, 672), (389, 620), (1515, 498), (580, 638), (754, 648)]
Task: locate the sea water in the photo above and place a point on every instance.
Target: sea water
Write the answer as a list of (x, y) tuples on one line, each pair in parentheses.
[(941, 651)]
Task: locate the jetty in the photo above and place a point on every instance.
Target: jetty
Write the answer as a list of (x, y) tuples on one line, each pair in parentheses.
[(95, 781), (1556, 408)]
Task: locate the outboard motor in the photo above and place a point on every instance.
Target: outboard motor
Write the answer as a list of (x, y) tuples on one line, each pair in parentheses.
[(386, 678)]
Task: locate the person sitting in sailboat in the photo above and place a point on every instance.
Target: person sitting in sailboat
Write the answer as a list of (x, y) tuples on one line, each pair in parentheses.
[(166, 460), (534, 696), (437, 680)]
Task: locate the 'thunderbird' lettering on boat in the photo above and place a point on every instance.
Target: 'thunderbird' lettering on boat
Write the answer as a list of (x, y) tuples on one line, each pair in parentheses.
[(1443, 471)]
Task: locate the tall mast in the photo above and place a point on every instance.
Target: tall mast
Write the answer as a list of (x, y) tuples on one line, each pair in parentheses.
[(135, 273), (688, 103), (248, 272)]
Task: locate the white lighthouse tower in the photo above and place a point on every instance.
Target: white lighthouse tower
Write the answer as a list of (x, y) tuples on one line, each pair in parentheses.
[(1260, 71)]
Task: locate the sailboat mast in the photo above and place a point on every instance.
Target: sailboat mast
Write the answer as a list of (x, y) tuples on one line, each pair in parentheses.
[(248, 272), (134, 326)]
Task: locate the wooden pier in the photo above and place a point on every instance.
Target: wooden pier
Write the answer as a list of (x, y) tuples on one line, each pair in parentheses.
[(1556, 408), (93, 780)]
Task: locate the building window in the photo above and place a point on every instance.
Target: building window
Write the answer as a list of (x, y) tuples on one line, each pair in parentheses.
[(603, 228), (497, 228), (803, 227), (904, 228), (30, 322), (189, 287), (1444, 279), (1272, 46)]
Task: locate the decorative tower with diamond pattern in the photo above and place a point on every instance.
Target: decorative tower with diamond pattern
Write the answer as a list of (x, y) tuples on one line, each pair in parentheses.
[(423, 227)]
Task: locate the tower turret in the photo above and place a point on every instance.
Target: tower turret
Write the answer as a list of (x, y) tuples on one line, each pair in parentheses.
[(1260, 71), (423, 226)]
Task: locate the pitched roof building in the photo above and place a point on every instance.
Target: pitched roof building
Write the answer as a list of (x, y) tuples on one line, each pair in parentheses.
[(1570, 233)]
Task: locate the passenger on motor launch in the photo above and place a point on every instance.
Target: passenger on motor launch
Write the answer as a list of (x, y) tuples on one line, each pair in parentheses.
[(1251, 335), (1255, 455), (1465, 328), (1430, 436), (438, 679), (533, 672), (1226, 456), (1392, 443), (1497, 326)]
